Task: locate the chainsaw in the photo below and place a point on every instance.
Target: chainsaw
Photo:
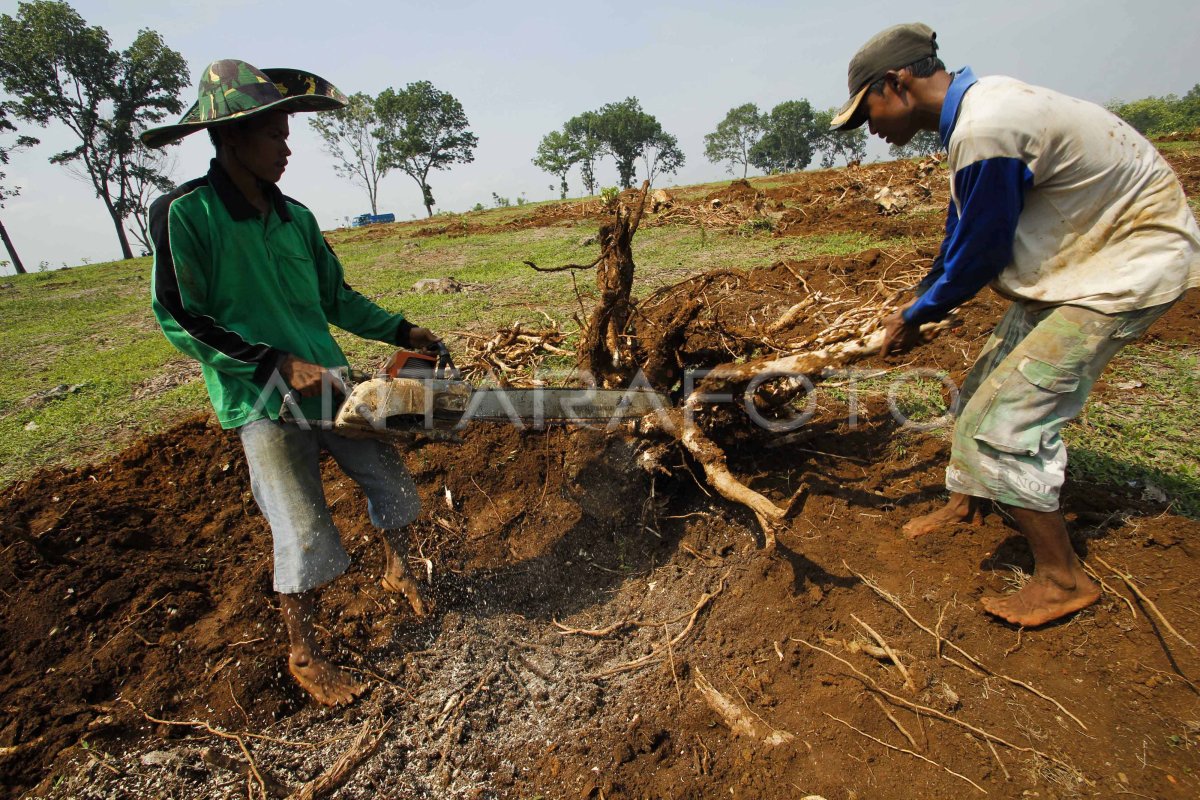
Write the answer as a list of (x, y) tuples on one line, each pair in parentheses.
[(424, 393)]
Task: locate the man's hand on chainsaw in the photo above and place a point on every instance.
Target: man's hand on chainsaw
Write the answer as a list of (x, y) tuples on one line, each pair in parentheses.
[(303, 376), (422, 338)]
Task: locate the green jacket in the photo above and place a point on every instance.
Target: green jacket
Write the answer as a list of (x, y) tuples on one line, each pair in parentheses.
[(239, 292)]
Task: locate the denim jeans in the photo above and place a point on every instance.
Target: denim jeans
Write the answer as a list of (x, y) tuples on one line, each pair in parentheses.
[(285, 476)]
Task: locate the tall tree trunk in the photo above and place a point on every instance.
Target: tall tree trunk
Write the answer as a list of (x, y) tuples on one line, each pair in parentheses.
[(126, 250), (12, 251)]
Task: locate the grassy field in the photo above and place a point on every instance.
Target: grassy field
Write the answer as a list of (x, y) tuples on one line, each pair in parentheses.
[(85, 369)]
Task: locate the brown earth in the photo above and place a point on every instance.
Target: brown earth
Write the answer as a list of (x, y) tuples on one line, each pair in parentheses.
[(141, 588)]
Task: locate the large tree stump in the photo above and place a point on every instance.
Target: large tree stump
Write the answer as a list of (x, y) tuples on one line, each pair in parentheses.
[(606, 351)]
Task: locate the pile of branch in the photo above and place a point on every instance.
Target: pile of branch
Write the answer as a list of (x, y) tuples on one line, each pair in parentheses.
[(705, 215), (512, 356)]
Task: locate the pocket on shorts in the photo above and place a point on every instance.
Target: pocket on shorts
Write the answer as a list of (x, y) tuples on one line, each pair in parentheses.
[(1023, 408)]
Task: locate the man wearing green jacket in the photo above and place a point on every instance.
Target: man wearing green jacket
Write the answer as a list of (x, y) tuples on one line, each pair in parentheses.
[(245, 283)]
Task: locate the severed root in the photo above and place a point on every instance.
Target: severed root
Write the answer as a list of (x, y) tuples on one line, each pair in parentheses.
[(682, 423), (806, 362), (738, 719), (895, 659), (363, 747)]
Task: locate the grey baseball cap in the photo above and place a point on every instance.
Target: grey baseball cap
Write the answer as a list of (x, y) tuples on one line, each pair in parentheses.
[(893, 48)]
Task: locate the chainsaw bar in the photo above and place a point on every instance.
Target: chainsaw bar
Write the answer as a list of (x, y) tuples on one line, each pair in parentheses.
[(562, 405), (404, 405)]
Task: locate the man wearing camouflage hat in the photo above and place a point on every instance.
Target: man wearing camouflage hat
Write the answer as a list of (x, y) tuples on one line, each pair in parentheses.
[(245, 283), (1070, 213)]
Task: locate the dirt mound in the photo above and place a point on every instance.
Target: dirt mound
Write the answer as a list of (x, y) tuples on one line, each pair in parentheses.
[(738, 191), (147, 580)]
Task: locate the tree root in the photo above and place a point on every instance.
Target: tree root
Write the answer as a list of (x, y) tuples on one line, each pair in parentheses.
[(738, 719)]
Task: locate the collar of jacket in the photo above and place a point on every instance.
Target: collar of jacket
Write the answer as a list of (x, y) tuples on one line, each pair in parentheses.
[(236, 203), (963, 79)]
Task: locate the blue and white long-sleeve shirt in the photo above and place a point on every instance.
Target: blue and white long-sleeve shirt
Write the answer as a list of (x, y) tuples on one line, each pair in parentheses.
[(1056, 201)]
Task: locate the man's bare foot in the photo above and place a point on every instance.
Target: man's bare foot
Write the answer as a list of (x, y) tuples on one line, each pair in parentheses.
[(326, 683), (406, 585), (958, 509), (1043, 600)]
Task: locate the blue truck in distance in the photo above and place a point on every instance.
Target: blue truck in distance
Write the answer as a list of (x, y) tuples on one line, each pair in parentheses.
[(371, 219)]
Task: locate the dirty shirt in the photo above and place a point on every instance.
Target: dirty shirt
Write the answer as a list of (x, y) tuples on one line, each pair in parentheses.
[(1055, 201), (239, 291)]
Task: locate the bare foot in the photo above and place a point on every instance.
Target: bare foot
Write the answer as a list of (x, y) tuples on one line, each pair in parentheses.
[(326, 683), (1042, 600), (406, 585), (958, 509)]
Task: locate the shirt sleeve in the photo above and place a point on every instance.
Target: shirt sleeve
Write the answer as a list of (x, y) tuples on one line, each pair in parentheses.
[(179, 290), (347, 308), (979, 242), (939, 264)]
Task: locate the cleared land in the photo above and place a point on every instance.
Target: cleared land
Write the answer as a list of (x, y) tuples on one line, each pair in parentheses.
[(137, 571)]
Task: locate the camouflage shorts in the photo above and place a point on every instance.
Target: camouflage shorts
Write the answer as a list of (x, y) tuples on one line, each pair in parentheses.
[(1033, 376)]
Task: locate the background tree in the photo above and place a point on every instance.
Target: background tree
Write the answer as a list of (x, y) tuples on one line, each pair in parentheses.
[(661, 155), (556, 154), (925, 143), (349, 136), (1159, 116), (420, 129), (788, 138), (149, 175), (60, 69), (582, 131), (832, 145), (626, 132), (7, 191), (735, 136)]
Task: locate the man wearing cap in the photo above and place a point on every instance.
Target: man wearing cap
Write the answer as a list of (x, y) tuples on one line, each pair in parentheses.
[(245, 283), (1070, 213)]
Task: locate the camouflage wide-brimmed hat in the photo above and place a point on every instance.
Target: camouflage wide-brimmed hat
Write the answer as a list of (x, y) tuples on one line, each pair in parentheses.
[(231, 90)]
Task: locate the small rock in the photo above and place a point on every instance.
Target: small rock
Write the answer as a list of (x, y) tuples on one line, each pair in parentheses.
[(31, 426), (159, 758), (445, 285)]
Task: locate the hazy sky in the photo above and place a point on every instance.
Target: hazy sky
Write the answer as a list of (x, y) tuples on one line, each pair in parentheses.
[(521, 69)]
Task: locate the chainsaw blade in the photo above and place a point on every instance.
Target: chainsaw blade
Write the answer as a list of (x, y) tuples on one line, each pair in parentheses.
[(540, 405)]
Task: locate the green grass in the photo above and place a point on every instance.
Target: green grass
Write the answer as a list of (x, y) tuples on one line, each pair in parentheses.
[(1144, 434), (1180, 146), (91, 326)]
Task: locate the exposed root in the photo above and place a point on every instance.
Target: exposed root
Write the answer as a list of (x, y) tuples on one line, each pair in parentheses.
[(933, 712), (892, 717), (1133, 587), (1104, 587), (270, 786), (608, 630), (736, 718), (909, 752), (363, 747), (891, 654), (979, 667), (656, 656)]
